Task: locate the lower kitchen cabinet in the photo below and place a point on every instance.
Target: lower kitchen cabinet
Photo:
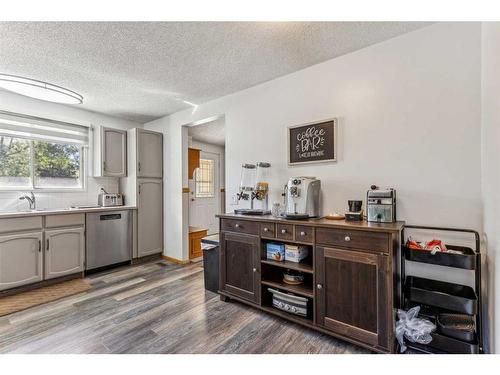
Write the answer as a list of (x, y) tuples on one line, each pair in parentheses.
[(240, 265), (353, 295), (64, 252), (149, 217), (21, 259)]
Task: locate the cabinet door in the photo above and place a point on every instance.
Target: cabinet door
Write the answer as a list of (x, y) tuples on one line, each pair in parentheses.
[(352, 295), (240, 265), (20, 259), (64, 252), (149, 154), (114, 152), (149, 217)]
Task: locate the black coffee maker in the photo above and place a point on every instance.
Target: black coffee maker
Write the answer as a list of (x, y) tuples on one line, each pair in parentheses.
[(355, 212)]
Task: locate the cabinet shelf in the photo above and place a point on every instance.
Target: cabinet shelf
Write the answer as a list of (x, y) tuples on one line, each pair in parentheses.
[(302, 267), (301, 289), (294, 318)]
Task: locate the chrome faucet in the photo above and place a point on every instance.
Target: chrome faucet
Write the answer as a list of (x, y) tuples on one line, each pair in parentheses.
[(31, 199)]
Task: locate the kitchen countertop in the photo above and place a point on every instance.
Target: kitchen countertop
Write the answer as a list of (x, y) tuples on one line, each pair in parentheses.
[(322, 222), (62, 211)]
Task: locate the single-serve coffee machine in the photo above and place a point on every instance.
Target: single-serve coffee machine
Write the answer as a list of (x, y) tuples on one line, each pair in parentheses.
[(302, 198), (381, 205)]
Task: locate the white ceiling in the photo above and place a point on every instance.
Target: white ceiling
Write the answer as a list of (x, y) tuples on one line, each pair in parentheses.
[(211, 132), (144, 70)]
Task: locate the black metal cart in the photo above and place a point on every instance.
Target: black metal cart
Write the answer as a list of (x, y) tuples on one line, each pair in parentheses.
[(442, 299)]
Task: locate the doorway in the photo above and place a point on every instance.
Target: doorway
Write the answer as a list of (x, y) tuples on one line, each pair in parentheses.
[(206, 153)]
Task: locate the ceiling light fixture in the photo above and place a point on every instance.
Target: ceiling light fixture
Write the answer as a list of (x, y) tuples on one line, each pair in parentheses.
[(39, 90)]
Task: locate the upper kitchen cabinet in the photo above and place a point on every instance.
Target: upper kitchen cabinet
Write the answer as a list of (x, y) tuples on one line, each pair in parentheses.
[(149, 162), (110, 152)]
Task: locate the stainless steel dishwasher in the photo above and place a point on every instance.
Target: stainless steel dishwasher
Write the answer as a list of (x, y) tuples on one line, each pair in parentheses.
[(109, 238)]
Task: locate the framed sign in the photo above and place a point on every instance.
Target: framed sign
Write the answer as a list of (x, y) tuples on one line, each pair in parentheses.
[(313, 143)]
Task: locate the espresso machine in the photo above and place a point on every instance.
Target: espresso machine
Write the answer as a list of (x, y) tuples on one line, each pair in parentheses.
[(302, 198)]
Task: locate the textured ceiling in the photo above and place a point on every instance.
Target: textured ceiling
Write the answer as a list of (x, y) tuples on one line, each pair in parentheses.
[(144, 70), (211, 132)]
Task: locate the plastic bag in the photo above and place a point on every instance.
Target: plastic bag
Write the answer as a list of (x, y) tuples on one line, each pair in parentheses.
[(414, 329)]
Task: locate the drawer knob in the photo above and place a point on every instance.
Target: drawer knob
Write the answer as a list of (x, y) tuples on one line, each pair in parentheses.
[(236, 225), (266, 229), (283, 231), (254, 269), (347, 238), (319, 286), (302, 234)]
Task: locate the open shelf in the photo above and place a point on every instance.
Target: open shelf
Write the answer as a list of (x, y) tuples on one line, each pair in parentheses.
[(302, 267), (301, 289), (294, 318)]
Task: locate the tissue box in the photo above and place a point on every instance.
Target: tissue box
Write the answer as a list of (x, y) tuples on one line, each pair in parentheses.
[(295, 253), (276, 251)]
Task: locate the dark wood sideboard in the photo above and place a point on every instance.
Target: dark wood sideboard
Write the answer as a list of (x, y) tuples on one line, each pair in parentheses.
[(351, 276)]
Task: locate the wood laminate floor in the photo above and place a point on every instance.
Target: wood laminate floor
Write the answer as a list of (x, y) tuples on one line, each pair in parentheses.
[(157, 307)]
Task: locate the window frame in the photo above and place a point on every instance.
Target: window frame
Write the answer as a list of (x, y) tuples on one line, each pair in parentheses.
[(212, 182), (33, 188)]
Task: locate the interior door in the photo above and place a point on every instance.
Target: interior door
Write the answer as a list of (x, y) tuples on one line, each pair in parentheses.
[(149, 217), (64, 252), (20, 259), (240, 265), (203, 208), (352, 294), (149, 154), (114, 152)]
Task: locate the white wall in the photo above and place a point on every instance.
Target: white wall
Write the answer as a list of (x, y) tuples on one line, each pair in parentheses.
[(491, 171), (409, 117), (21, 104)]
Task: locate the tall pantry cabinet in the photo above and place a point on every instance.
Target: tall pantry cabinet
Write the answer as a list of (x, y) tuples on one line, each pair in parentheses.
[(144, 188)]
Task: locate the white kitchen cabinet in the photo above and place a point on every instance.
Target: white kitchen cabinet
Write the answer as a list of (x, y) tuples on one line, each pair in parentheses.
[(149, 154), (64, 252), (21, 259), (149, 216), (110, 152)]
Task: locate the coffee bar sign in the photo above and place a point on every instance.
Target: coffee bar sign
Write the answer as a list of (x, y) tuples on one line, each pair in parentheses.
[(312, 143)]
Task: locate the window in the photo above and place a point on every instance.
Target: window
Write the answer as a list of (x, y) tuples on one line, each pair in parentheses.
[(204, 179), (36, 154)]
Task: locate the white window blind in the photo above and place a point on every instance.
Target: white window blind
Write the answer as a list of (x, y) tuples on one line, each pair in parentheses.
[(36, 128)]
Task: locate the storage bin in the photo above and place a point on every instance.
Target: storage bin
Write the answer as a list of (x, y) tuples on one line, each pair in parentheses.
[(466, 260), (289, 302), (454, 297)]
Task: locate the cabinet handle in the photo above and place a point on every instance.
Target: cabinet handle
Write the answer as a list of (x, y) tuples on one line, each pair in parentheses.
[(139, 166), (319, 286), (236, 225), (302, 234), (47, 244), (283, 231), (139, 189), (39, 246), (104, 166), (347, 238), (254, 270), (266, 229)]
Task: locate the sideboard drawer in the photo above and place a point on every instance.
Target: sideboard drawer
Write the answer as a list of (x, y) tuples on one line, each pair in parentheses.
[(267, 230), (240, 226), (304, 233), (284, 231), (356, 239)]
